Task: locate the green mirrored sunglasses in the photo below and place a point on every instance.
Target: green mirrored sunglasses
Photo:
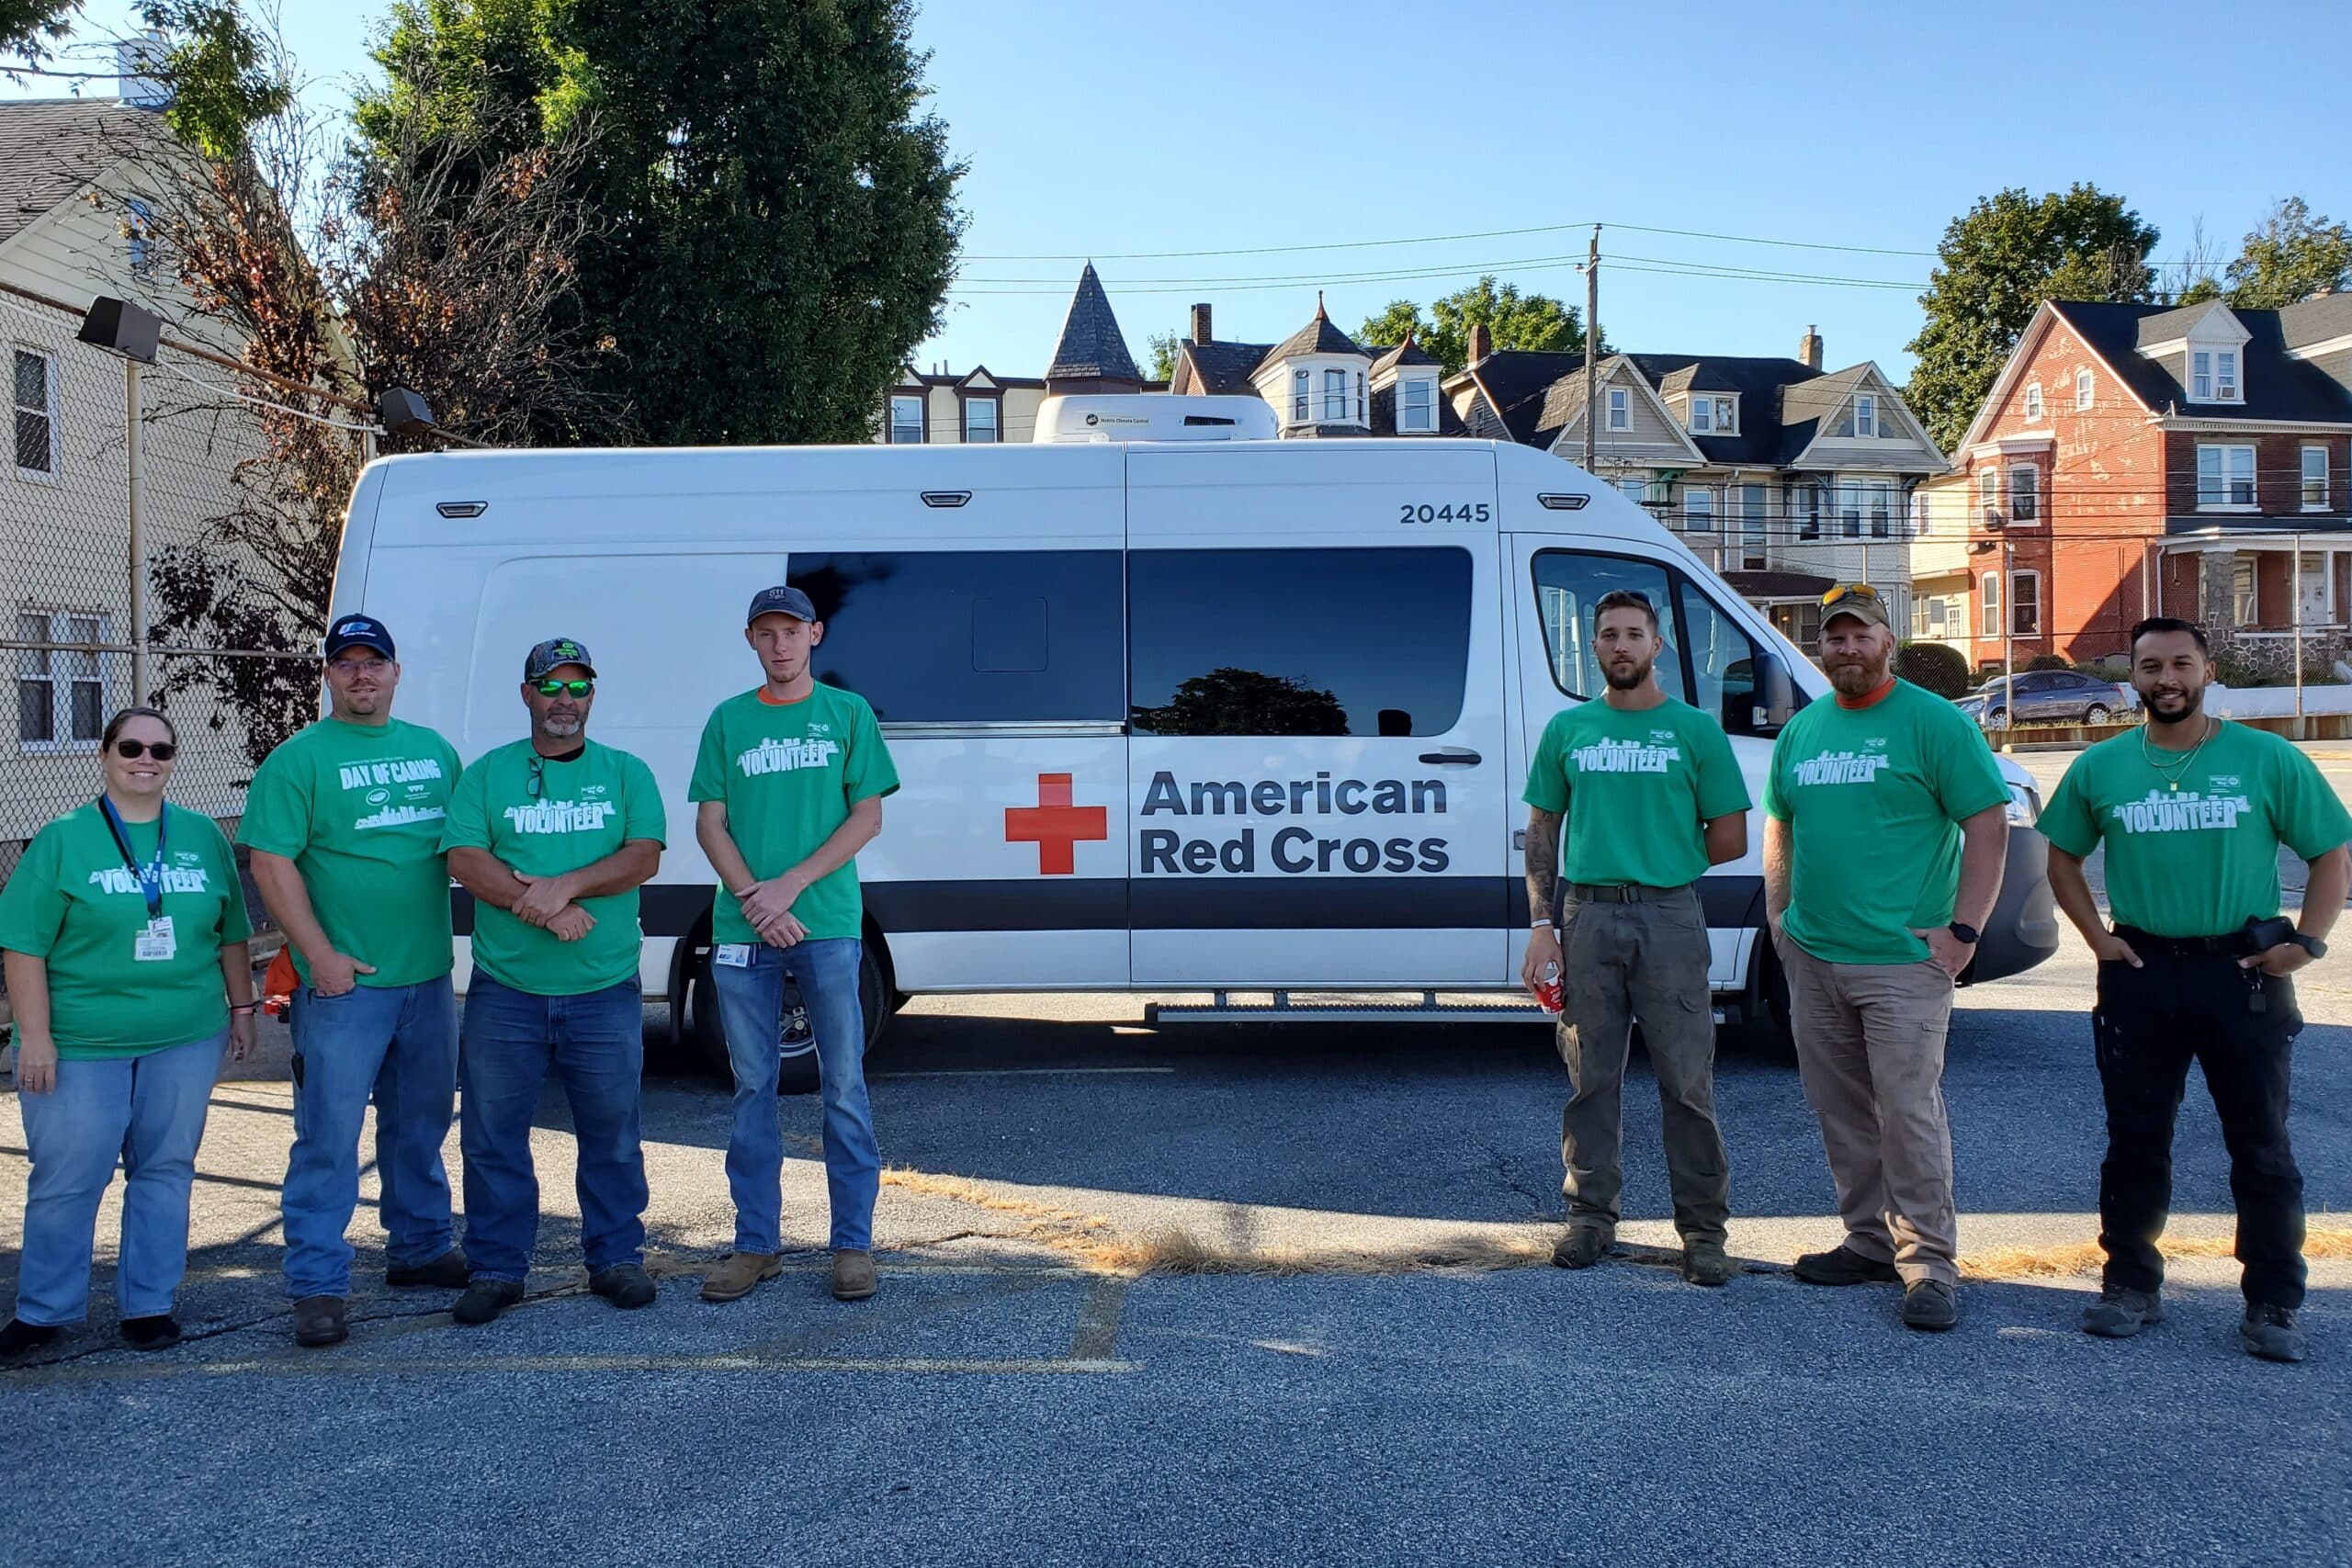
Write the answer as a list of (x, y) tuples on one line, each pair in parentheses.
[(557, 688)]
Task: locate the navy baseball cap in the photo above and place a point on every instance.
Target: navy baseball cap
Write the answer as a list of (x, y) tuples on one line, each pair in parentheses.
[(360, 631), (553, 654), (780, 602)]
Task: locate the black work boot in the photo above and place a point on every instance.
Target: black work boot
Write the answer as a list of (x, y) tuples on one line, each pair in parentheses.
[(2271, 1332), (1583, 1246), (2121, 1311), (1844, 1266), (485, 1299)]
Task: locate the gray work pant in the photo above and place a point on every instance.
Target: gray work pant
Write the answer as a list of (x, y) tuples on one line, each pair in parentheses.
[(1871, 1053), (1641, 962)]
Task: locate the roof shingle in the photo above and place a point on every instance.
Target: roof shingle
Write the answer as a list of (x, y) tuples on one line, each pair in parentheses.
[(51, 148), (1091, 346)]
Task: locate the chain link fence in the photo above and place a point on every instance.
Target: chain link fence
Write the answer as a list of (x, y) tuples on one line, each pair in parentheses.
[(227, 579)]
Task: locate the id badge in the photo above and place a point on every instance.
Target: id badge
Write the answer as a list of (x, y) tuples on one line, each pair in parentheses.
[(156, 943), (732, 954)]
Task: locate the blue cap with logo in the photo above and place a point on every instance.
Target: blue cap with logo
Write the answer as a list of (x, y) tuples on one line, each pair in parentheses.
[(360, 631), (780, 602), (553, 654)]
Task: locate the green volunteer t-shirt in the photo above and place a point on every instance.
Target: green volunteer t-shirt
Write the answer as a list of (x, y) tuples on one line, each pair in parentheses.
[(544, 821), (788, 773), (1635, 786), (358, 808), (1873, 798), (2201, 860), (73, 903)]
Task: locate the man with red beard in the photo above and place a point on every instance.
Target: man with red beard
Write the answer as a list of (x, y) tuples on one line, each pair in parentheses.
[(1886, 824)]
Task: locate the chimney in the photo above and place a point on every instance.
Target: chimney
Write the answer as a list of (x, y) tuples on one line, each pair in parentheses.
[(1200, 325), (138, 63), (1809, 347), (1482, 342)]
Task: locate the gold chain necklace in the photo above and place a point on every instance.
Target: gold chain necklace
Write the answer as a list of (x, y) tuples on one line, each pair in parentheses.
[(2172, 776)]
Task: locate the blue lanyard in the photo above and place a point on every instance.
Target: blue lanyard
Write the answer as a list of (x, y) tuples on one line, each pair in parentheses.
[(151, 880)]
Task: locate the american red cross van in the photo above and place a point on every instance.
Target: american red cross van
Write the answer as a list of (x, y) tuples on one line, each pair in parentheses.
[(1208, 715)]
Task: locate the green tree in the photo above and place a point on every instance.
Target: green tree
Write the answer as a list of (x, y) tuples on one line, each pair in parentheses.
[(1939, 667), (776, 236), (1228, 701), (1514, 321), (1999, 261), (2293, 255), (31, 31), (1163, 355)]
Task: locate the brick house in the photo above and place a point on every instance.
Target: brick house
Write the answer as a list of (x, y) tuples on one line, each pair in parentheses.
[(1787, 479), (2137, 459)]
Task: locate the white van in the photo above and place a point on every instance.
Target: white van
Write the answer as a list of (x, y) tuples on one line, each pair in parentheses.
[(1194, 715)]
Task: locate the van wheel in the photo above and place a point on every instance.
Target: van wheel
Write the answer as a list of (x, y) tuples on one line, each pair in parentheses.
[(797, 1073)]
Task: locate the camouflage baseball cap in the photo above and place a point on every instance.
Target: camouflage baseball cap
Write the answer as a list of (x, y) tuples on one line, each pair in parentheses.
[(554, 652)]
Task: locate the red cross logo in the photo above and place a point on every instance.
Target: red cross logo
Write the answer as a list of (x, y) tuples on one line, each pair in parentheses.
[(1054, 825)]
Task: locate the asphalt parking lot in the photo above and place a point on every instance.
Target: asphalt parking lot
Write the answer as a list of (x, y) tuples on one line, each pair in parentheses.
[(1049, 1376)]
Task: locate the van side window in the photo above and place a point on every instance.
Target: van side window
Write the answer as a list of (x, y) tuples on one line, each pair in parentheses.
[(1298, 642), (1723, 662), (1569, 583), (971, 637)]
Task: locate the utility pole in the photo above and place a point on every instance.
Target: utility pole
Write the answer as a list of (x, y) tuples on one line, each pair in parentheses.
[(2008, 645), (1591, 348), (135, 474)]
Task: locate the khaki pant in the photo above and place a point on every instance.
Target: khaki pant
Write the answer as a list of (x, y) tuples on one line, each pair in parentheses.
[(1645, 963), (1871, 1052)]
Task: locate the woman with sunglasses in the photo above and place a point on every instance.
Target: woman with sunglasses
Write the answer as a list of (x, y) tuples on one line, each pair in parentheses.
[(125, 938)]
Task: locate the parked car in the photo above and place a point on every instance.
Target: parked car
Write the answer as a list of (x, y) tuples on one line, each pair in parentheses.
[(2047, 696)]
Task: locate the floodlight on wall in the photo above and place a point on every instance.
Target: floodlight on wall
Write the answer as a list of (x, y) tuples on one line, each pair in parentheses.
[(122, 328), (403, 412)]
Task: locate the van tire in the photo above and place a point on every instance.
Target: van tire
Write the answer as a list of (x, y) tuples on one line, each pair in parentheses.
[(797, 1073)]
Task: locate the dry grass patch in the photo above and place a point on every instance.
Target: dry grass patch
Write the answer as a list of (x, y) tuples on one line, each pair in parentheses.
[(2072, 1259)]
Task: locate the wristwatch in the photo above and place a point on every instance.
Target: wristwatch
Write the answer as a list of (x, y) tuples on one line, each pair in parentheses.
[(2309, 944), (1966, 934)]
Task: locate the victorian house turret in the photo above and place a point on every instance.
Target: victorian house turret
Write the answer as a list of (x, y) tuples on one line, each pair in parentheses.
[(1320, 382)]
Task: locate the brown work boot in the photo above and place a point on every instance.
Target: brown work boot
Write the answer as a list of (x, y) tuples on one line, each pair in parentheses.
[(852, 1275), (733, 1279), (321, 1320)]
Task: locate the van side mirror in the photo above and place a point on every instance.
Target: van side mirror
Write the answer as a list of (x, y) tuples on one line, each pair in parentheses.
[(1769, 701)]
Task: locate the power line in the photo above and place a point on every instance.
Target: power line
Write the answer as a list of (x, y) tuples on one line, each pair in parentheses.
[(1288, 250)]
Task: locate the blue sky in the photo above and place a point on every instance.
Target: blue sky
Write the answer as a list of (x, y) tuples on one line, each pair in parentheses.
[(1113, 130)]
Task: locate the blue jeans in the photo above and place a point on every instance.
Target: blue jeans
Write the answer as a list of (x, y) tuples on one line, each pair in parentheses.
[(595, 1042), (148, 1109), (750, 1009), (399, 1042)]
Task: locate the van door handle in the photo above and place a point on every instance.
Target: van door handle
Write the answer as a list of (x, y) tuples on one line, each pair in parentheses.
[(1457, 756)]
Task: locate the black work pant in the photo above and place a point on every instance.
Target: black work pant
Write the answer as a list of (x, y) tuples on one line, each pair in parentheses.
[(2151, 1023)]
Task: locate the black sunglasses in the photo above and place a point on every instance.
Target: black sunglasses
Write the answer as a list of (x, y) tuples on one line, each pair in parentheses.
[(162, 750), (557, 688)]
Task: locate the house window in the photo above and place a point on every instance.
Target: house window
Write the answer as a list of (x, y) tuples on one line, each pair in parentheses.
[(139, 224), (906, 421), (1881, 498), (2242, 594), (1636, 488), (2225, 479), (2085, 391), (1416, 404), (980, 421), (1808, 500), (2033, 403), (1726, 416), (1988, 496), (1358, 396), (2226, 376), (1702, 416), (1849, 510), (2315, 479), (1698, 507), (1620, 409), (60, 692), (1298, 384), (36, 414), (1866, 416), (2025, 493), (2025, 604), (1752, 524), (2213, 376), (1989, 594), (1335, 395), (2200, 375)]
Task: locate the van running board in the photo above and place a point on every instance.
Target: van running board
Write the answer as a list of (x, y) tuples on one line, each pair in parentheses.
[(1282, 1009)]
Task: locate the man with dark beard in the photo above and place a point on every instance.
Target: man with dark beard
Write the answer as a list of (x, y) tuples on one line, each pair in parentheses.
[(1886, 823), (1651, 796), (2192, 811)]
